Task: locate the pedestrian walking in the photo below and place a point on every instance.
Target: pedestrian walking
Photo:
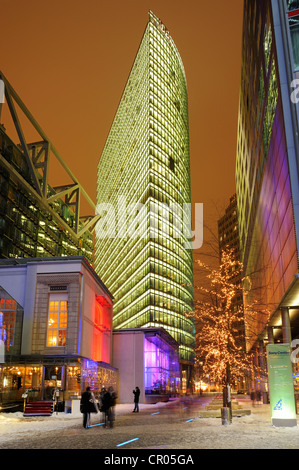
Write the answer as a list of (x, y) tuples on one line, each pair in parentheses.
[(252, 396), (258, 397), (105, 406), (111, 411), (136, 399), (87, 406), (100, 397)]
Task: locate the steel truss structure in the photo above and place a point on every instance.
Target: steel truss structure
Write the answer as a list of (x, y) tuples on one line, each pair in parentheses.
[(37, 156)]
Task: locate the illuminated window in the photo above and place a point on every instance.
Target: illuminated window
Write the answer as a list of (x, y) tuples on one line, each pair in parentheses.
[(294, 30), (8, 309), (57, 320)]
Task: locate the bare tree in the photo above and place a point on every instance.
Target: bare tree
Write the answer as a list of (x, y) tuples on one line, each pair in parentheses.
[(221, 329)]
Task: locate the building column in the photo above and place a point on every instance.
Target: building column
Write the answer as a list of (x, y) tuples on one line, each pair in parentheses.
[(263, 372), (270, 335), (256, 364), (286, 326)]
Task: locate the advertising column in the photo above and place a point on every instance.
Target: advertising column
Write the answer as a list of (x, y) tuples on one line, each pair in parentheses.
[(281, 388)]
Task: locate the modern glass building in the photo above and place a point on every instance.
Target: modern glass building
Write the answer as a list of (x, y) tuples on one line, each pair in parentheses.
[(37, 219), (267, 169), (228, 234), (228, 237), (142, 251)]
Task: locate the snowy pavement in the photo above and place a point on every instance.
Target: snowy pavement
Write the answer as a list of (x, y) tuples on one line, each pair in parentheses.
[(253, 431)]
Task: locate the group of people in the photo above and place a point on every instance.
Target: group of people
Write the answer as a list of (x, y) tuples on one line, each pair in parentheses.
[(105, 404), (256, 397)]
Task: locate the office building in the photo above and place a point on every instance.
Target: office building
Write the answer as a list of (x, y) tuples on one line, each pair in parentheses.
[(267, 170), (228, 238), (142, 252), (228, 233), (37, 219)]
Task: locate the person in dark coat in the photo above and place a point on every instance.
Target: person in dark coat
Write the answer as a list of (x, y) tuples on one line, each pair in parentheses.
[(87, 406), (136, 399), (253, 396), (105, 406), (111, 412)]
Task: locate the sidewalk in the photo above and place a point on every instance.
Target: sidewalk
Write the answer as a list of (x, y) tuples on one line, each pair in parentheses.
[(15, 425), (253, 431)]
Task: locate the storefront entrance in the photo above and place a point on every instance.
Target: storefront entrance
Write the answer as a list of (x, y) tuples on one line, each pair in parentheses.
[(53, 376), (15, 380)]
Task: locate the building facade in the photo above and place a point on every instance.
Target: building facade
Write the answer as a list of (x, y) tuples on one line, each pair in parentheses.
[(267, 170), (142, 251), (55, 329), (228, 233), (228, 238), (149, 359)]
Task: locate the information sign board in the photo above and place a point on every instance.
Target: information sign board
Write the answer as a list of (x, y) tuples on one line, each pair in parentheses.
[(281, 388)]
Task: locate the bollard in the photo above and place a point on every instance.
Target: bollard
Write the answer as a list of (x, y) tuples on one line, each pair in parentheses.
[(226, 416), (25, 395)]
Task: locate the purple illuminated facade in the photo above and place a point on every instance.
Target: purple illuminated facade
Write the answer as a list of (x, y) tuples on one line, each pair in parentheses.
[(161, 368), (267, 173), (147, 358)]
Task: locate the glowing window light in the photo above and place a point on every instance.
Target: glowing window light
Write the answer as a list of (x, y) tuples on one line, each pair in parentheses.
[(57, 320)]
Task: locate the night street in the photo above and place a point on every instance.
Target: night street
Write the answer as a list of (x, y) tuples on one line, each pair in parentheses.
[(164, 426), (149, 231)]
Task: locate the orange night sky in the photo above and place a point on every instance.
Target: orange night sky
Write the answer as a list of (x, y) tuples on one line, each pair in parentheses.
[(69, 61)]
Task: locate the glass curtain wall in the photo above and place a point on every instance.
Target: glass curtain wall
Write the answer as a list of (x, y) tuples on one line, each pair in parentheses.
[(26, 228), (161, 368), (144, 168), (265, 208)]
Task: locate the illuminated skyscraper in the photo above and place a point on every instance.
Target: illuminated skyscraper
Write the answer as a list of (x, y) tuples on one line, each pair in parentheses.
[(146, 161), (267, 175)]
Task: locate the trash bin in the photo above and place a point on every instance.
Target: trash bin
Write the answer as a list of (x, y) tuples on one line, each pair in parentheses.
[(226, 416)]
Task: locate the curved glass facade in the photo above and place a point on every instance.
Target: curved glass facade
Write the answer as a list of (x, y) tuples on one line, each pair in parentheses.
[(268, 242), (142, 257)]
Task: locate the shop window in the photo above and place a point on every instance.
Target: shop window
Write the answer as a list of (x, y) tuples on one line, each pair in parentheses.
[(57, 320), (294, 27), (8, 308), (293, 9), (292, 5), (161, 367)]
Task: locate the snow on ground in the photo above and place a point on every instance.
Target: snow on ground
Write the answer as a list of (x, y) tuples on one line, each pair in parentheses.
[(15, 425), (253, 431)]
